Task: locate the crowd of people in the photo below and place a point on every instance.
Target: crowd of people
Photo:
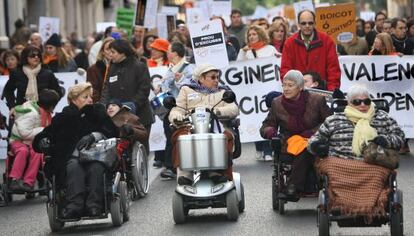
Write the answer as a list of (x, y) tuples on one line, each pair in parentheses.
[(118, 75)]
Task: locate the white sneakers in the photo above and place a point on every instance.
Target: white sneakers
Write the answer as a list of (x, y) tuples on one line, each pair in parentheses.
[(268, 158)]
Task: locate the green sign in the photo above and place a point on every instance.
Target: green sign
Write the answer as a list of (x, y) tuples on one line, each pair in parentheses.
[(125, 19)]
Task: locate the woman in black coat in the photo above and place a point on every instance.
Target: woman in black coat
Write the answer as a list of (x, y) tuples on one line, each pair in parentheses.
[(128, 80), (80, 124), (31, 69)]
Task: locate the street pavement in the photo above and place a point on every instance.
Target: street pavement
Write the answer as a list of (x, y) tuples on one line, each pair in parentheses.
[(152, 215)]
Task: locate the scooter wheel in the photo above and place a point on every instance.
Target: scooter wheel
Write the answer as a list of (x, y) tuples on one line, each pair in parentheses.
[(178, 209), (232, 204)]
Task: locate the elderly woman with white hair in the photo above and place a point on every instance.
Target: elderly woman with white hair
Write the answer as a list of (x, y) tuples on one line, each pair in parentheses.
[(296, 115), (203, 91), (344, 134)]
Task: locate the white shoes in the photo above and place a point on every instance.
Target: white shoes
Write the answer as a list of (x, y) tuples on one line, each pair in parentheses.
[(268, 158)]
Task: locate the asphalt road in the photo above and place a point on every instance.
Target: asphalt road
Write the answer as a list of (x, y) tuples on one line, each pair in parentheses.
[(153, 214)]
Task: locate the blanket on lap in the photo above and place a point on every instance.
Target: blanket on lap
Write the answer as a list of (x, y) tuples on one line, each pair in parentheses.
[(355, 187)]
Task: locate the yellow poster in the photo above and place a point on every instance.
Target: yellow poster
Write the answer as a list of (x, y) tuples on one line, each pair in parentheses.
[(337, 21)]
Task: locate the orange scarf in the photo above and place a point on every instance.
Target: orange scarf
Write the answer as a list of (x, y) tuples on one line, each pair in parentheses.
[(154, 63), (257, 45), (47, 59)]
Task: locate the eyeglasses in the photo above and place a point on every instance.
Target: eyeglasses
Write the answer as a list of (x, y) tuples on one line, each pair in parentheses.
[(213, 77), (357, 102), (307, 23), (33, 55)]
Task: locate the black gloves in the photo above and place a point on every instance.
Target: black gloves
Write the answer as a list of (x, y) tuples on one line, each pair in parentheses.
[(320, 148), (43, 145), (127, 130), (85, 142), (337, 93), (380, 141)]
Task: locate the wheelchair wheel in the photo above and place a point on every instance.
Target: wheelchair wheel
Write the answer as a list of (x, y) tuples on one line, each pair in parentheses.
[(242, 201), (123, 194), (140, 170), (116, 211), (396, 217), (52, 213), (275, 193), (179, 212), (232, 205), (8, 197), (323, 223)]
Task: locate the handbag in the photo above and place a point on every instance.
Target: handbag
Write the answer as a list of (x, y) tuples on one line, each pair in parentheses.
[(377, 155), (103, 151)]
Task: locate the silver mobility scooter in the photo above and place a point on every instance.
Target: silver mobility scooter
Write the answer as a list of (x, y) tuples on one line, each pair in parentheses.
[(200, 152)]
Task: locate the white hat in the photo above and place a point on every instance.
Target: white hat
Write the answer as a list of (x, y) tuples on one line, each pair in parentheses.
[(201, 69)]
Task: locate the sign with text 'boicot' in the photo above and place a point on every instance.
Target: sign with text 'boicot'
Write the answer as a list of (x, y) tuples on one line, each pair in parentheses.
[(337, 21)]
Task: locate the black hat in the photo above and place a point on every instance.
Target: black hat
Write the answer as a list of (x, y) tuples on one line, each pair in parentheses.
[(54, 40), (114, 101)]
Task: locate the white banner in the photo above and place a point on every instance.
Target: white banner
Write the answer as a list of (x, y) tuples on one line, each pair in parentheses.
[(386, 77)]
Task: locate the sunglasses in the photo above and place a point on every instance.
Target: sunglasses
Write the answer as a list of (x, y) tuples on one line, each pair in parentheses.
[(213, 77), (357, 102), (307, 23), (34, 55)]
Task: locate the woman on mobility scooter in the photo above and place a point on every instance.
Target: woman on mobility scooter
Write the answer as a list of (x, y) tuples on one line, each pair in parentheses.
[(29, 119), (204, 90), (295, 115), (354, 188), (78, 126)]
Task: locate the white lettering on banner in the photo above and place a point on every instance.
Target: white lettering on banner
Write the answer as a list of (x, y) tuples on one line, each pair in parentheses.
[(66, 80)]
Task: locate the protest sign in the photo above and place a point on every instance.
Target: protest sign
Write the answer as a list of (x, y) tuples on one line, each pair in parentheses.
[(101, 26), (169, 11), (145, 13), (275, 11), (208, 43), (125, 19), (303, 5), (195, 15), (367, 15), (220, 7), (48, 26), (162, 26), (337, 21)]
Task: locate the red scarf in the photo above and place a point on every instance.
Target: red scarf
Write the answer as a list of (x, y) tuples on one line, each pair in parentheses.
[(256, 46), (153, 63), (277, 44), (45, 117), (296, 109)]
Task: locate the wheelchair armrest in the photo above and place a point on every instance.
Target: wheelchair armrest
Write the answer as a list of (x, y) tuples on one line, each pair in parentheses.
[(276, 144)]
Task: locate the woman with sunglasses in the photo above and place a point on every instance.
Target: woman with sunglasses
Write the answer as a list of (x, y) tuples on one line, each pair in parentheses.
[(26, 81), (203, 91), (344, 134)]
